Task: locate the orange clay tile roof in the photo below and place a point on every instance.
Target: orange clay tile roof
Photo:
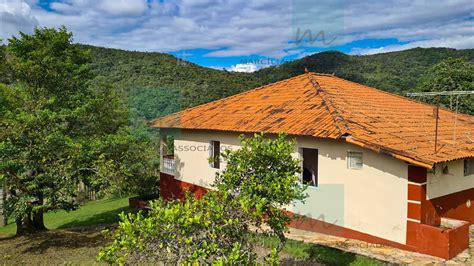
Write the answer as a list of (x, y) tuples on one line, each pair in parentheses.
[(326, 106)]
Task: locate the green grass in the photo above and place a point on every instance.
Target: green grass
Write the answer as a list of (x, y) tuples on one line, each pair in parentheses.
[(307, 252), (95, 212)]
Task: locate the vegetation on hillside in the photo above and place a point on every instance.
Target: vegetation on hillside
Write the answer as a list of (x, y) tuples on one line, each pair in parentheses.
[(397, 72), (452, 74), (157, 84)]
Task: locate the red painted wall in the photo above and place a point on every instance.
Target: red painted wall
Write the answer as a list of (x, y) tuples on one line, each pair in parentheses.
[(455, 206), (171, 188)]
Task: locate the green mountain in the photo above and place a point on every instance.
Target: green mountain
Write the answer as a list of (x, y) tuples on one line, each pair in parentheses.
[(159, 83), (395, 72)]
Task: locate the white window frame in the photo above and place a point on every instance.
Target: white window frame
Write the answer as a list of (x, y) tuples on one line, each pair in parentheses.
[(350, 157)]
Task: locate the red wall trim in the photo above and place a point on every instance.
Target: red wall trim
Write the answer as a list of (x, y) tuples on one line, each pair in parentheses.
[(414, 211), (427, 236), (414, 192)]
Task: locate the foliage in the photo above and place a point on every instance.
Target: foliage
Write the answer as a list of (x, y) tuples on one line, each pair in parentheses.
[(397, 72), (5, 70), (259, 180), (127, 163), (262, 177), (452, 74), (146, 104), (212, 230), (57, 129)]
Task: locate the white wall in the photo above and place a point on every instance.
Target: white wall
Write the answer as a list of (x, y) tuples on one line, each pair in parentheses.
[(372, 200), (440, 184)]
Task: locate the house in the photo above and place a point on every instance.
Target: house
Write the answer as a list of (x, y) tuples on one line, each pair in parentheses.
[(380, 167)]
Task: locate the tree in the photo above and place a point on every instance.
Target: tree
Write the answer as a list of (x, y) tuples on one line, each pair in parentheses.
[(452, 74), (262, 177), (259, 180), (126, 163), (56, 127), (213, 230)]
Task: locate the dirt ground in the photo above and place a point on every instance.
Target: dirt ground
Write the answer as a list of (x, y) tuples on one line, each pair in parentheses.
[(78, 246)]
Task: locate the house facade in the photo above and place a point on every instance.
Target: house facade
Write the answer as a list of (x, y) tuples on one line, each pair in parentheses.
[(368, 158)]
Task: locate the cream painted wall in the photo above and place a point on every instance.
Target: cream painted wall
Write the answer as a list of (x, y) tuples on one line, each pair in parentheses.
[(372, 200), (192, 155), (439, 184)]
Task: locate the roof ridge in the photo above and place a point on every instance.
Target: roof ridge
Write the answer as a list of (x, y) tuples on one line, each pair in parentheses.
[(226, 98), (339, 121)]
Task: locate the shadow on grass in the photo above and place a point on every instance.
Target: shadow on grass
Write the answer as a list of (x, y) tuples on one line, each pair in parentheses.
[(39, 243), (330, 256), (108, 217)]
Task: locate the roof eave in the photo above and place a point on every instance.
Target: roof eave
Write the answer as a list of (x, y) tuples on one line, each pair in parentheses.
[(424, 164)]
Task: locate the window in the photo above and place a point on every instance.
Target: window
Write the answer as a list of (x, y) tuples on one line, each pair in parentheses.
[(215, 154), (310, 167), (468, 167), (354, 160)]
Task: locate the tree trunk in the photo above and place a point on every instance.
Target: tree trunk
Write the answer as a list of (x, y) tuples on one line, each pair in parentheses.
[(33, 222), (38, 217), (24, 226)]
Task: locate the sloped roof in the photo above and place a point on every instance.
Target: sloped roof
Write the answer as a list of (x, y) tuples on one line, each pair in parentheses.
[(326, 106)]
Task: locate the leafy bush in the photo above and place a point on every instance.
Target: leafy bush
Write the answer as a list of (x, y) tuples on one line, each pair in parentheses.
[(211, 230), (262, 177), (259, 180)]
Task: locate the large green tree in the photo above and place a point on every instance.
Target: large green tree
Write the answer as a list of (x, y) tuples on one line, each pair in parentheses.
[(452, 74), (57, 129)]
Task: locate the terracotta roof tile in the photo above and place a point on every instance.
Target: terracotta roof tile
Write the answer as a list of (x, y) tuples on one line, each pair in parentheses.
[(326, 106)]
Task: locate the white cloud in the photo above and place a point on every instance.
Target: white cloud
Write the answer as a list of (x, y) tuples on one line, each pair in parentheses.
[(105, 7), (459, 42), (15, 16), (123, 7), (246, 68), (238, 27)]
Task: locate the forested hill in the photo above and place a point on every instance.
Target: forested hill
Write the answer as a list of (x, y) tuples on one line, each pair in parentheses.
[(395, 72), (159, 83)]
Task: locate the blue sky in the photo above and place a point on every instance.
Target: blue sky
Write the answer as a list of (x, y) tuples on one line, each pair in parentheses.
[(225, 33)]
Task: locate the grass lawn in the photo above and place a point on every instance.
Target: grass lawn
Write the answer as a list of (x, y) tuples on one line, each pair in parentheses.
[(95, 212)]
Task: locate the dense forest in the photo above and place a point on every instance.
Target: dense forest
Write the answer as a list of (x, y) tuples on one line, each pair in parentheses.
[(159, 83)]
